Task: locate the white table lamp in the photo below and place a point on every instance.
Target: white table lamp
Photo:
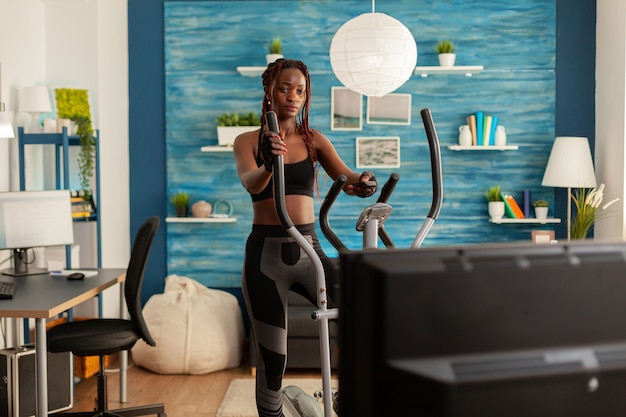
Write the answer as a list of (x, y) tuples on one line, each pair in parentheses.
[(570, 165), (35, 100)]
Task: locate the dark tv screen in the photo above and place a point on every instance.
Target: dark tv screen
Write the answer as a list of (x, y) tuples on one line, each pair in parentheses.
[(485, 330)]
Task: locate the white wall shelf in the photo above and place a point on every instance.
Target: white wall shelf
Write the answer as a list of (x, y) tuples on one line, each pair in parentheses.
[(483, 148), (436, 70), (528, 220), (251, 71), (216, 148), (200, 219), (422, 71)]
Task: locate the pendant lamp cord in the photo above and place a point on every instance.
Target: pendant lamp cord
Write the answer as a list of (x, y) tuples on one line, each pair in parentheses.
[(373, 6)]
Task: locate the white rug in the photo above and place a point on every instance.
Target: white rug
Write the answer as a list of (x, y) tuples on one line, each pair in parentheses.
[(239, 399)]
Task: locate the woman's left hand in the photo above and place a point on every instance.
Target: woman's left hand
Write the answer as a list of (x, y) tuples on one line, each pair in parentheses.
[(366, 187)]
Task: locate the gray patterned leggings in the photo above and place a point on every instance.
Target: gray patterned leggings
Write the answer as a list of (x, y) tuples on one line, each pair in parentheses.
[(274, 264)]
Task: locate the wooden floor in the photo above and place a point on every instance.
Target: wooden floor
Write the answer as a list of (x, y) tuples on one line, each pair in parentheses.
[(183, 395)]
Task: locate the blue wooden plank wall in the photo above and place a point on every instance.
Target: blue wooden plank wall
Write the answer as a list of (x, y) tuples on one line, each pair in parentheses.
[(206, 41)]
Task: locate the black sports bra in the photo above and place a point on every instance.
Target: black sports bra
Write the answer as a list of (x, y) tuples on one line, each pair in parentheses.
[(299, 179)]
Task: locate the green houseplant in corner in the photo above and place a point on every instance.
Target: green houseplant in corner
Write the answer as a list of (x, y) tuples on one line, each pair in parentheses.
[(181, 203), (496, 205), (73, 104), (446, 51), (231, 125), (275, 50)]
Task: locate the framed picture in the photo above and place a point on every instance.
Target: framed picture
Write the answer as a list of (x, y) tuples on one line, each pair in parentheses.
[(392, 109), (346, 109), (542, 236), (378, 152)]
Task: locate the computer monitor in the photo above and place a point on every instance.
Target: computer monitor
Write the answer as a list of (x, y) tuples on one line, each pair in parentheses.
[(485, 330), (30, 219)]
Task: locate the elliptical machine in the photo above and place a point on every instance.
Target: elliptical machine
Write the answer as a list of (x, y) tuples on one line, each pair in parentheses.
[(296, 402)]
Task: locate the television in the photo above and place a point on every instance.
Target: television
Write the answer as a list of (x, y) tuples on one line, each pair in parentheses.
[(30, 219), (484, 330)]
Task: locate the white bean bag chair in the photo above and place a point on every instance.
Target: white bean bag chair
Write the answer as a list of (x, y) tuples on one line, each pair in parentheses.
[(197, 330)]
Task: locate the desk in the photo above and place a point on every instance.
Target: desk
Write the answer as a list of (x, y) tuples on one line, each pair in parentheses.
[(41, 297)]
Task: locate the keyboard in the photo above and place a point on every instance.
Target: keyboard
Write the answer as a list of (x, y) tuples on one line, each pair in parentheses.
[(7, 290)]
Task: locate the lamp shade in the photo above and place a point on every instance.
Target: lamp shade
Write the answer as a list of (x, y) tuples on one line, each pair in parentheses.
[(35, 99), (373, 54), (570, 164)]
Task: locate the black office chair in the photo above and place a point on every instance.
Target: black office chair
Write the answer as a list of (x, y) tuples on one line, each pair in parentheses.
[(100, 337)]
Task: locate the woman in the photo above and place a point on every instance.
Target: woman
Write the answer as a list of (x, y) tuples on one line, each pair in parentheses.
[(274, 263)]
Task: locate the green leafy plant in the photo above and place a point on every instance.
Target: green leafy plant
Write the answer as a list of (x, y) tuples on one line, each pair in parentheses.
[(180, 199), (73, 104), (493, 193), (235, 119), (541, 203), (588, 210), (275, 46), (445, 47)]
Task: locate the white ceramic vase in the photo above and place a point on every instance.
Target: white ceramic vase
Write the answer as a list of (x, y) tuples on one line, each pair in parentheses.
[(447, 60), (269, 58), (496, 210), (541, 213), (465, 136), (500, 139)]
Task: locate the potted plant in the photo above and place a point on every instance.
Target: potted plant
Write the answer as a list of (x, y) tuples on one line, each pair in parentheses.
[(446, 51), (181, 203), (231, 125), (496, 205), (541, 209), (275, 50), (73, 104)]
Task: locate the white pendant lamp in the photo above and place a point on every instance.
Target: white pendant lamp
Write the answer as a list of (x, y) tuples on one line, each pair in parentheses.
[(373, 54)]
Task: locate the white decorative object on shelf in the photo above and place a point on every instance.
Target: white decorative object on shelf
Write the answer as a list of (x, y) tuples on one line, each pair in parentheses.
[(465, 136), (527, 220), (467, 70), (483, 148)]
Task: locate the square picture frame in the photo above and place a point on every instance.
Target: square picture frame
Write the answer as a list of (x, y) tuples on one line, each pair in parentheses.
[(391, 109), (378, 152), (346, 109), (542, 236)]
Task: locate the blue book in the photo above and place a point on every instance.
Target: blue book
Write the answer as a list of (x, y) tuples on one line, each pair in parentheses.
[(494, 125), (527, 203), (479, 128)]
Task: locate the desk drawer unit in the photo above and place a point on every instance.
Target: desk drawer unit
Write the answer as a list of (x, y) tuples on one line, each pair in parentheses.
[(17, 387)]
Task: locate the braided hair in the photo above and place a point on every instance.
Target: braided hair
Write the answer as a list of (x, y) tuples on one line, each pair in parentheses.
[(270, 76)]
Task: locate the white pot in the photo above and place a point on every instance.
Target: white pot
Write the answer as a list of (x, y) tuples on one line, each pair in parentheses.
[(226, 135), (541, 213), (496, 210), (272, 57), (447, 60)]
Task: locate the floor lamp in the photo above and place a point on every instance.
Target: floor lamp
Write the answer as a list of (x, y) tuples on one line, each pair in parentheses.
[(570, 166)]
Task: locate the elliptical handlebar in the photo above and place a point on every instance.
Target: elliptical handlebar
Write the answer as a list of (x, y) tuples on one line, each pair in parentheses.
[(435, 163), (331, 196), (388, 188)]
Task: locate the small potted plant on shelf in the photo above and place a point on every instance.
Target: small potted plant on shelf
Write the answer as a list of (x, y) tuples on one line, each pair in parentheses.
[(275, 50), (541, 209), (446, 51), (181, 203), (496, 205), (231, 125)]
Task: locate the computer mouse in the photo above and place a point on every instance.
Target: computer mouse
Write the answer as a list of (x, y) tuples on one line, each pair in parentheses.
[(75, 276)]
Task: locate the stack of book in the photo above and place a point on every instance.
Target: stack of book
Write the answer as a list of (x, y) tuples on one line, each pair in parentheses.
[(512, 209), (483, 128)]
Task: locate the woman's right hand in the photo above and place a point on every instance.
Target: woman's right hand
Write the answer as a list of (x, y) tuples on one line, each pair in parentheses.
[(271, 145)]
